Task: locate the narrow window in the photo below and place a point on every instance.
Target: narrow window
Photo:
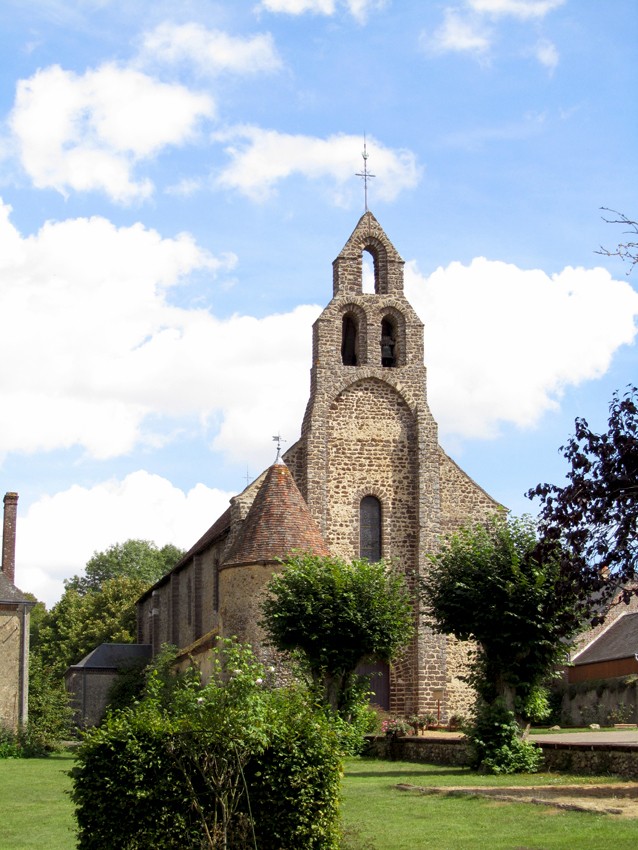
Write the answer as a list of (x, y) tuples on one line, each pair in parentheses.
[(216, 585), (370, 528), (388, 343), (349, 341)]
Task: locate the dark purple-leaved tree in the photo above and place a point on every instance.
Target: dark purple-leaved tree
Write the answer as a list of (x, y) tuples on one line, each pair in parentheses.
[(594, 516)]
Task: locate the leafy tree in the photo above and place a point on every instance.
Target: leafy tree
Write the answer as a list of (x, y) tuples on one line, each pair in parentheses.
[(627, 251), (332, 615), (136, 559), (99, 607), (497, 585), (49, 711), (490, 584), (595, 515), (80, 622)]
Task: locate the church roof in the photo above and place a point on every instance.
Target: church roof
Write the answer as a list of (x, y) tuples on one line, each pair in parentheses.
[(620, 640), (278, 523)]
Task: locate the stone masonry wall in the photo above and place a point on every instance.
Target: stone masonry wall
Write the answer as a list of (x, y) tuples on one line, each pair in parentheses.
[(10, 649), (462, 500), (241, 591), (587, 759), (185, 607)]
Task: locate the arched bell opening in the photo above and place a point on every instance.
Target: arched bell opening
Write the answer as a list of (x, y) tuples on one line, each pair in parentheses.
[(388, 342), (349, 340)]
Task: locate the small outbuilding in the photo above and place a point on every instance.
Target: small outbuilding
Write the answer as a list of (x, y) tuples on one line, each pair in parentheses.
[(613, 653), (89, 681)]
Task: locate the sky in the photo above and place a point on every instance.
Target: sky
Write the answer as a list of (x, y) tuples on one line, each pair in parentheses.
[(176, 180)]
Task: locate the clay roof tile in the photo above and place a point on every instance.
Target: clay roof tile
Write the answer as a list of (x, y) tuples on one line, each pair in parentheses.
[(278, 523)]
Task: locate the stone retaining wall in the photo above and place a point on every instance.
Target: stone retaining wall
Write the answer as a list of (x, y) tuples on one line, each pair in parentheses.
[(586, 759), (454, 751), (592, 759)]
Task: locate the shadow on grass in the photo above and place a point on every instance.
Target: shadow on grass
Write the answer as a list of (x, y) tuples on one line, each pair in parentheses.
[(397, 774)]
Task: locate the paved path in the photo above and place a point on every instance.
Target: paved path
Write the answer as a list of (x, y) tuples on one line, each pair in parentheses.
[(626, 737)]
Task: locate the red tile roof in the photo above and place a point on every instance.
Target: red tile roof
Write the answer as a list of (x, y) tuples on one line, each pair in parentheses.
[(278, 523)]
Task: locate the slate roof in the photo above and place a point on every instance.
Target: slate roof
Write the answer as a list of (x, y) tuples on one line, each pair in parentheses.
[(277, 523), (620, 640), (217, 529), (10, 593), (113, 655)]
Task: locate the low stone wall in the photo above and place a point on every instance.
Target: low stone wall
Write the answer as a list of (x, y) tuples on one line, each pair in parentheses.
[(454, 751), (585, 759), (592, 759)]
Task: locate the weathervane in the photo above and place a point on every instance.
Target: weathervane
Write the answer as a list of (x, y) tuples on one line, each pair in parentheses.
[(279, 440), (365, 173)]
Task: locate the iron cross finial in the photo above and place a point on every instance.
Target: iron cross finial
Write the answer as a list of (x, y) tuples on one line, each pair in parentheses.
[(365, 174)]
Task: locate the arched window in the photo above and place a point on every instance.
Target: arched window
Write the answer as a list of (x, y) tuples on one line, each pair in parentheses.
[(349, 340), (388, 343), (370, 528)]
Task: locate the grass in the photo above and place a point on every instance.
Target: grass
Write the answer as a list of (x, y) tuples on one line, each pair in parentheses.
[(379, 817), (36, 810)]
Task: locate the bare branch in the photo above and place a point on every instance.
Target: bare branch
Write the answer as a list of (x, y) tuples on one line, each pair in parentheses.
[(627, 251)]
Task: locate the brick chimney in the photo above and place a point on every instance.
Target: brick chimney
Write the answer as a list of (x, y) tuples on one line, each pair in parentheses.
[(9, 536)]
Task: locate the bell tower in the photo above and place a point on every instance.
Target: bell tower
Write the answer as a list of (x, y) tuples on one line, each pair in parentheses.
[(367, 462)]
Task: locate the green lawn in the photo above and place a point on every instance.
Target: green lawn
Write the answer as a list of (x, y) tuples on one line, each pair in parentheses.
[(36, 811), (379, 817)]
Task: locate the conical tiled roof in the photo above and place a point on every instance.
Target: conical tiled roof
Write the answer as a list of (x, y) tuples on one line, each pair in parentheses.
[(278, 523)]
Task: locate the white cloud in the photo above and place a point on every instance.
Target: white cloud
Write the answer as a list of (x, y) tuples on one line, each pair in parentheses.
[(210, 51), (59, 533), (100, 360), (88, 132), (97, 352), (299, 7), (459, 34), (78, 303), (502, 343), (359, 9), (464, 29), (260, 159), (547, 54), (523, 9)]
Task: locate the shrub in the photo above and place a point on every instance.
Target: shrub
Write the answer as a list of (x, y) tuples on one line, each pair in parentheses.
[(230, 764), (496, 740), (294, 784), (621, 713), (26, 743)]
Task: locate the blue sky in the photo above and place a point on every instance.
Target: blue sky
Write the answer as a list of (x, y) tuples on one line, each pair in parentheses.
[(176, 179)]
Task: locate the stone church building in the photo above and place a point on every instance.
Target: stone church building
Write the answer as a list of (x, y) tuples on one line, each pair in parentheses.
[(367, 478)]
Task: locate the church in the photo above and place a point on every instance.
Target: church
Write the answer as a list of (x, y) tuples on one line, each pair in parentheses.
[(366, 479)]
